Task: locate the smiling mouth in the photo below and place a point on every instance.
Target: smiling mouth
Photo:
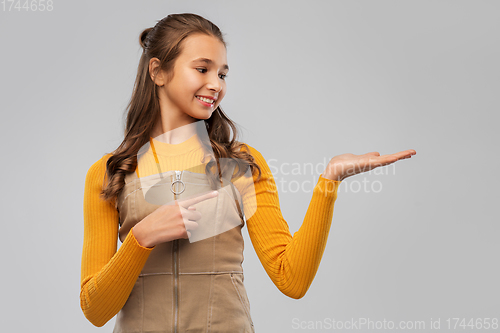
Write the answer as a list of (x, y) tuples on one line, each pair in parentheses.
[(206, 101)]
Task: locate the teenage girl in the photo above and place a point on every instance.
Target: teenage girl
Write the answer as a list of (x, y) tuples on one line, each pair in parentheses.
[(159, 280)]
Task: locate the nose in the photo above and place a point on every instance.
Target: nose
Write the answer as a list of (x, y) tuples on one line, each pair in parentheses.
[(214, 83)]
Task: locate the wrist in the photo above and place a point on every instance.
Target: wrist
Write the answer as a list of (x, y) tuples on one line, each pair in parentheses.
[(331, 176), (140, 236)]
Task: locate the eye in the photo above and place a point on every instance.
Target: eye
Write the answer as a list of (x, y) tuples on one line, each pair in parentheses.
[(203, 70)]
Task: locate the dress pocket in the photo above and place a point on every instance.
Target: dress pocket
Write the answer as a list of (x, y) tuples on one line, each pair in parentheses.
[(239, 287)]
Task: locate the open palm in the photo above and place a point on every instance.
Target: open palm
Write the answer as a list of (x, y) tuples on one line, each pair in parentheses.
[(346, 165)]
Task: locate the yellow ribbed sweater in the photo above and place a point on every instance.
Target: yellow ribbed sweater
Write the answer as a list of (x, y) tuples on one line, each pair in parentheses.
[(108, 275)]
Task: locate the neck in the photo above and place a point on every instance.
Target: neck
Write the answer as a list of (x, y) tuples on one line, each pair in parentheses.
[(174, 134)]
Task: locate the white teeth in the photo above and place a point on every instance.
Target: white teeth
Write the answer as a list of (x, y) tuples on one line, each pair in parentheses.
[(205, 99)]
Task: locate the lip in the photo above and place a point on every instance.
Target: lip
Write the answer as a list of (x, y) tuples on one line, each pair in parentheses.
[(210, 97), (211, 105)]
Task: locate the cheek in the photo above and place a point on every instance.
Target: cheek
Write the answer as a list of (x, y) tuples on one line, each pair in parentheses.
[(222, 93), (189, 81), (190, 85)]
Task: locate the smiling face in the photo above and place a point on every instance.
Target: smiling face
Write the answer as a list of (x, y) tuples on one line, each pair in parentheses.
[(199, 71)]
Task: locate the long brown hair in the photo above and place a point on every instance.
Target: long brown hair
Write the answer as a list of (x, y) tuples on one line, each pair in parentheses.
[(163, 41)]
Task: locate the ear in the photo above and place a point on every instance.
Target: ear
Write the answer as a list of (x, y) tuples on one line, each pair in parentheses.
[(157, 75)]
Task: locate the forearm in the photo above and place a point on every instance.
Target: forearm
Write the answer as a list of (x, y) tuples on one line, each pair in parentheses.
[(302, 255), (290, 262), (107, 275), (104, 293)]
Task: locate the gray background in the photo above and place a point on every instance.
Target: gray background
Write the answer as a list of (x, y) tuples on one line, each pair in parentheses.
[(417, 241)]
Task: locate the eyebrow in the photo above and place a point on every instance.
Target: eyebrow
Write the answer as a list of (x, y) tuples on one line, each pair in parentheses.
[(209, 62)]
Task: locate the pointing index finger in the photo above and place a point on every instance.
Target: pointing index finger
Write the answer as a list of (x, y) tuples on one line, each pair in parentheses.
[(192, 201)]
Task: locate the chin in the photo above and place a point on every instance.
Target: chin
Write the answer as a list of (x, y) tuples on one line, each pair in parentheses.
[(203, 116)]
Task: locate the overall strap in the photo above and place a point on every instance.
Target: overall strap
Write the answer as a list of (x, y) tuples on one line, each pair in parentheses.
[(229, 174), (156, 159), (234, 193)]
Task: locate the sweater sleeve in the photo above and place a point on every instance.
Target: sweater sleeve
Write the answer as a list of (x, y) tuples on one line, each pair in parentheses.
[(290, 262), (107, 275)]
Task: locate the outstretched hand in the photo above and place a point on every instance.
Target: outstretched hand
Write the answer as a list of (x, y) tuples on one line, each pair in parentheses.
[(346, 165)]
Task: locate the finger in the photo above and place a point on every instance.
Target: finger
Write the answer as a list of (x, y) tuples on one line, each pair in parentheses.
[(378, 161), (188, 214), (192, 201), (388, 158), (190, 225), (391, 158), (405, 153)]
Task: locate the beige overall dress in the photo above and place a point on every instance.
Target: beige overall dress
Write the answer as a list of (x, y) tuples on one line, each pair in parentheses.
[(187, 286)]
